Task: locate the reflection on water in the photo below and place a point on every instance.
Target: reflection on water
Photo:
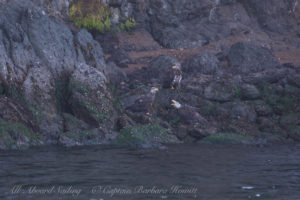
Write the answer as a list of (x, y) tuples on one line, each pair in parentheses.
[(180, 172)]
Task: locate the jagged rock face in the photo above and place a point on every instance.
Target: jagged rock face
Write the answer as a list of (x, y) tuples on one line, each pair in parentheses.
[(272, 15), (58, 8), (36, 54), (194, 23)]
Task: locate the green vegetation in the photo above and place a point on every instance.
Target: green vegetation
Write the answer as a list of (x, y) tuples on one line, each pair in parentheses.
[(81, 136), (116, 99), (227, 138), (280, 103), (13, 92), (16, 135), (95, 15), (128, 25), (237, 93), (144, 134)]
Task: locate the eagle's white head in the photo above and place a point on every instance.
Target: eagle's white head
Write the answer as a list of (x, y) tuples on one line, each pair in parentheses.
[(154, 90), (176, 66), (176, 104)]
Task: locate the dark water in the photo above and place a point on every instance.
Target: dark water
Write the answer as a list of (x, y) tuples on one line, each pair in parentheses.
[(203, 172)]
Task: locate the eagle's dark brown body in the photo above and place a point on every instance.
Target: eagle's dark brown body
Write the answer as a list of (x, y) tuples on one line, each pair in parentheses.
[(143, 103), (190, 115)]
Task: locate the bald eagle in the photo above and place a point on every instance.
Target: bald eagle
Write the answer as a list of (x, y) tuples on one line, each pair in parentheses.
[(188, 113), (173, 77), (144, 103)]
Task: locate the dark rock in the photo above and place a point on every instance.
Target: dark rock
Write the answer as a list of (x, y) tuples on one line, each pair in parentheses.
[(220, 92), (87, 137), (201, 132), (204, 63), (291, 119), (245, 57), (123, 121), (262, 109), (294, 79), (267, 124), (160, 69), (121, 58), (179, 38), (291, 91), (249, 92), (67, 142), (239, 110), (73, 124), (270, 16), (115, 3), (268, 76), (115, 74)]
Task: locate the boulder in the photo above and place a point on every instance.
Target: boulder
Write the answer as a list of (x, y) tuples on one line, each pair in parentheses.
[(204, 63), (239, 110), (89, 50), (250, 92), (245, 57), (221, 92), (90, 100), (115, 74), (121, 58), (160, 69)]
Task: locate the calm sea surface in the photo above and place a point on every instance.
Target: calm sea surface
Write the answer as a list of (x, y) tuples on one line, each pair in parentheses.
[(200, 172)]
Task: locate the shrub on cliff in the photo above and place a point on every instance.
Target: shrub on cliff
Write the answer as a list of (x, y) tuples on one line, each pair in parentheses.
[(96, 15)]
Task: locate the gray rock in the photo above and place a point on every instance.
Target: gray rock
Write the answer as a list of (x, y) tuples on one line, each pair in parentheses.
[(115, 74), (52, 41), (270, 16), (262, 109), (245, 57), (204, 63), (219, 92), (121, 58), (160, 68), (39, 92), (294, 79), (89, 51), (290, 119), (239, 110), (59, 8), (90, 100), (249, 92), (273, 75)]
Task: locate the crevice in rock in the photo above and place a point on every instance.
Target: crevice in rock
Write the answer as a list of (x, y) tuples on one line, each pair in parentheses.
[(63, 93)]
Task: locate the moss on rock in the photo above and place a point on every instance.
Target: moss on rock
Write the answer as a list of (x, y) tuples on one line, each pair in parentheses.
[(150, 135), (16, 135), (227, 138)]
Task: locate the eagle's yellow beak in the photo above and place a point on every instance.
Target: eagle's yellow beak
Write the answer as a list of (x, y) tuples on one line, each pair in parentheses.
[(156, 89), (174, 67), (173, 101)]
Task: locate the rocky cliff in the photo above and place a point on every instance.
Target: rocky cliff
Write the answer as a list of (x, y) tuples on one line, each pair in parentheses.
[(61, 84)]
